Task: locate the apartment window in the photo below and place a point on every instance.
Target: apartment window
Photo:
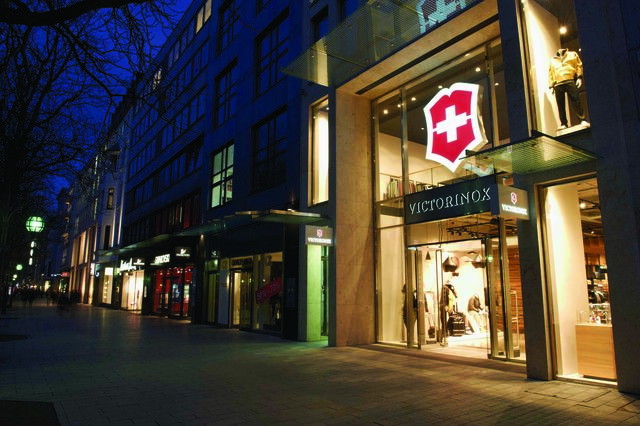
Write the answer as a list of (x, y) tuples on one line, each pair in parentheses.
[(320, 153), (229, 28), (270, 148), (226, 86), (222, 176), (110, 196), (194, 156), (157, 79), (203, 15), (106, 242), (347, 7), (320, 24), (273, 49)]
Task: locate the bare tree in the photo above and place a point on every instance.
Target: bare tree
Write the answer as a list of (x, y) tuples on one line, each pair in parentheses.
[(63, 67)]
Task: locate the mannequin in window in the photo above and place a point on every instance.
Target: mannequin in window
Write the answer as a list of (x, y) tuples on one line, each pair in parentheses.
[(474, 311), (565, 77)]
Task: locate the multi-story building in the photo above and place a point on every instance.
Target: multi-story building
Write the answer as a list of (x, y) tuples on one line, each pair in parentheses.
[(91, 210), (480, 178), (82, 233), (167, 173), (111, 288), (57, 241), (397, 172)]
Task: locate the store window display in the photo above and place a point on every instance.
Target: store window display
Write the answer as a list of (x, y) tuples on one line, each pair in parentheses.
[(565, 78), (476, 315), (555, 72)]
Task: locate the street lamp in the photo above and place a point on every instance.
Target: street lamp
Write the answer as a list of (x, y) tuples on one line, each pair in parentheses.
[(35, 224)]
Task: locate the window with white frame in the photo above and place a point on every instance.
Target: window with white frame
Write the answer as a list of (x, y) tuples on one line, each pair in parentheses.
[(222, 176)]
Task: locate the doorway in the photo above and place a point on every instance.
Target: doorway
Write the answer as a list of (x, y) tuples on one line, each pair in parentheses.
[(239, 298), (463, 297), (448, 293)]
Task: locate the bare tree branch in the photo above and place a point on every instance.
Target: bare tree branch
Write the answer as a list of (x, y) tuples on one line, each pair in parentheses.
[(64, 66), (16, 12)]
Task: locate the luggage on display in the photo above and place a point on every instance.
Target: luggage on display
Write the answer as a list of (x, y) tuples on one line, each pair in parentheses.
[(455, 325)]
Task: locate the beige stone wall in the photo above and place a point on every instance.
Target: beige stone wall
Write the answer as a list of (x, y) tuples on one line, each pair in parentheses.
[(354, 267)]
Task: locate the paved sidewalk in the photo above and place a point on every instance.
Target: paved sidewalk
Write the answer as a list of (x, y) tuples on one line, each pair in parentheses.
[(98, 366)]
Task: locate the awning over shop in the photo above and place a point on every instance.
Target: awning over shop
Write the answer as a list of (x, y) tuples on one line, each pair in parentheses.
[(284, 216), (245, 218), (538, 153), (160, 242), (375, 31)]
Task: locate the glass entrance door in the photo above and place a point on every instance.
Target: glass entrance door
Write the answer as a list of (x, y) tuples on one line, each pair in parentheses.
[(245, 299), (452, 306), (241, 298), (505, 295)]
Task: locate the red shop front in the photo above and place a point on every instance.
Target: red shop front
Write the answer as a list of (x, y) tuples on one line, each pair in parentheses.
[(172, 290)]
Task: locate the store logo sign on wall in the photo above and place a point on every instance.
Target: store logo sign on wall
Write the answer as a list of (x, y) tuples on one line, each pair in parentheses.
[(163, 258), (127, 265), (319, 236), (459, 199), (183, 252), (454, 124), (511, 203)]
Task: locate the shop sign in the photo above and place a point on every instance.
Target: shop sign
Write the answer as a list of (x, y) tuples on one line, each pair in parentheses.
[(127, 265), (138, 261), (183, 252), (163, 258), (511, 203), (240, 262), (454, 124), (318, 236), (460, 199), (269, 290)]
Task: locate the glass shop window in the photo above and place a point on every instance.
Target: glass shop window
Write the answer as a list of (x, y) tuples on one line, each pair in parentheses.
[(556, 74)]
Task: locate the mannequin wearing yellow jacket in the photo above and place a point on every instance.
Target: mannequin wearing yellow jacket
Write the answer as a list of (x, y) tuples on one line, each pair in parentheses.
[(565, 77)]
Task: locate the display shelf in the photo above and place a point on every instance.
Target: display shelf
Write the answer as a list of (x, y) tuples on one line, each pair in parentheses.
[(391, 186)]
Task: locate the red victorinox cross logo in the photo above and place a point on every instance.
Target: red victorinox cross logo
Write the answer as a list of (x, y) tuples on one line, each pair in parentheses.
[(453, 124)]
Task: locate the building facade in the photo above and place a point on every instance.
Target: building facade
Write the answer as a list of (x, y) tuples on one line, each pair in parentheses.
[(477, 158), (431, 174)]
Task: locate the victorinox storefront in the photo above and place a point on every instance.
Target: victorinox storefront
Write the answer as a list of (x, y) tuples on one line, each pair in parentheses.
[(487, 146)]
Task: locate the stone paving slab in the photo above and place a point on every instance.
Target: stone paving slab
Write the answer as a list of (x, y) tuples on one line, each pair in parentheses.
[(98, 366)]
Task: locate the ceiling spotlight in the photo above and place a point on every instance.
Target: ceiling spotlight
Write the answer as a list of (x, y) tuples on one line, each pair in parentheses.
[(563, 30)]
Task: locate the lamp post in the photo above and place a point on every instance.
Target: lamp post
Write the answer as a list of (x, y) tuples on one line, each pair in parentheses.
[(35, 224)]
